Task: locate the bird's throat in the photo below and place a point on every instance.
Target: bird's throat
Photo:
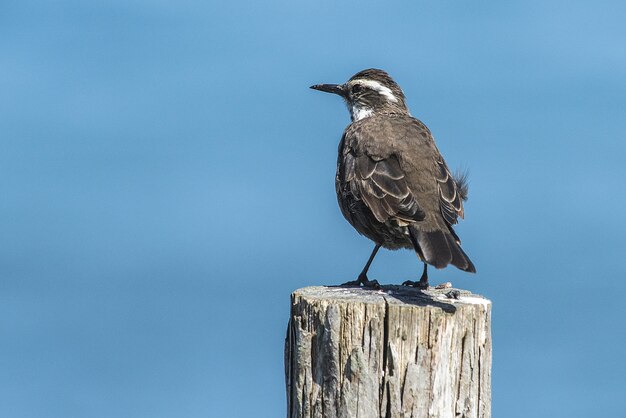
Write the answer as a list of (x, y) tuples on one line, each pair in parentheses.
[(358, 112)]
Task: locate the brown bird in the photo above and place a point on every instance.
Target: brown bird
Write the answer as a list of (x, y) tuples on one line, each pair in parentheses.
[(393, 185)]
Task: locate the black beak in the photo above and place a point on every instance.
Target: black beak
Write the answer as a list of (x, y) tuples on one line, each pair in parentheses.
[(330, 88)]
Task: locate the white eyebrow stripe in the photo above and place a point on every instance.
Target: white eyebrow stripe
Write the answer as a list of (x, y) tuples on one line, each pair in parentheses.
[(375, 85)]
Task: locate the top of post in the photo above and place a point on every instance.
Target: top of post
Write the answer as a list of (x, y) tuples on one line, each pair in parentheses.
[(447, 299)]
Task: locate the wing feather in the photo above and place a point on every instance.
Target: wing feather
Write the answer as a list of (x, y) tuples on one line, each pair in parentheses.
[(452, 193), (382, 186)]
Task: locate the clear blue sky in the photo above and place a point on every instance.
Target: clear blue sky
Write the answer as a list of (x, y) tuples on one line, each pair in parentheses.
[(167, 180)]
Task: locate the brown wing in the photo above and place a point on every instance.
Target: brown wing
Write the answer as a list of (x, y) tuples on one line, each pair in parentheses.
[(382, 186), (452, 192)]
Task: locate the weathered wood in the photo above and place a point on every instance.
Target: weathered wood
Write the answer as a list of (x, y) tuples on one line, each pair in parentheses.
[(392, 353)]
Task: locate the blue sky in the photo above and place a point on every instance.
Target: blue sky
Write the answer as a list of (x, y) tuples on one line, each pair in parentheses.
[(167, 180)]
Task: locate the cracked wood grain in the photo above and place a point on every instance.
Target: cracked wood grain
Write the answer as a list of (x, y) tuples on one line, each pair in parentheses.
[(398, 352)]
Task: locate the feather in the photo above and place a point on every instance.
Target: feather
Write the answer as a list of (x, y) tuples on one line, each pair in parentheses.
[(452, 192), (461, 178)]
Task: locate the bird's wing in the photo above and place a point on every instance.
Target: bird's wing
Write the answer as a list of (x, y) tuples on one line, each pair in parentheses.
[(429, 167), (374, 171), (452, 192), (380, 183)]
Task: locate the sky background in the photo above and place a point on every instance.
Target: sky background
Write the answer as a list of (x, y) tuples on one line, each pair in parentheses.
[(167, 181)]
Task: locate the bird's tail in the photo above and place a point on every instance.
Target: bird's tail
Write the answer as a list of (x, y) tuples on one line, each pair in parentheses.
[(440, 248)]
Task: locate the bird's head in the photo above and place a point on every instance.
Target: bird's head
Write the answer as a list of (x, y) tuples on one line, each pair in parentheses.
[(369, 92)]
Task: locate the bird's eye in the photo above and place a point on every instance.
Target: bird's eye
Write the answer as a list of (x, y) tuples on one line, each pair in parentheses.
[(356, 88)]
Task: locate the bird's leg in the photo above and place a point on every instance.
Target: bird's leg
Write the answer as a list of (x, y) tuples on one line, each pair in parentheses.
[(423, 282), (363, 280)]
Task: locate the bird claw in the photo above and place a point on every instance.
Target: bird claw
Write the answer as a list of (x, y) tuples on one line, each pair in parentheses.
[(371, 284), (418, 285), (353, 283), (364, 282)]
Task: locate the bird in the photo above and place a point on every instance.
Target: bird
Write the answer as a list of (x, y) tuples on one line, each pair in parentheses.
[(393, 185)]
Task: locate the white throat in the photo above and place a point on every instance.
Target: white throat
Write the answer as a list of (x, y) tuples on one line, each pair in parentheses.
[(359, 112)]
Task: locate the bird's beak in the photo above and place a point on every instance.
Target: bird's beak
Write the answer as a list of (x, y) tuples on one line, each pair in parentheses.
[(330, 88)]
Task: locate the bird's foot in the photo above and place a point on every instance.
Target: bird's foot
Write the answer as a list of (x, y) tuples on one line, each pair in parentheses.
[(422, 284), (364, 282)]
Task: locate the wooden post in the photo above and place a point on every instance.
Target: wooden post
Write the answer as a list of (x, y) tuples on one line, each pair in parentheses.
[(397, 352)]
